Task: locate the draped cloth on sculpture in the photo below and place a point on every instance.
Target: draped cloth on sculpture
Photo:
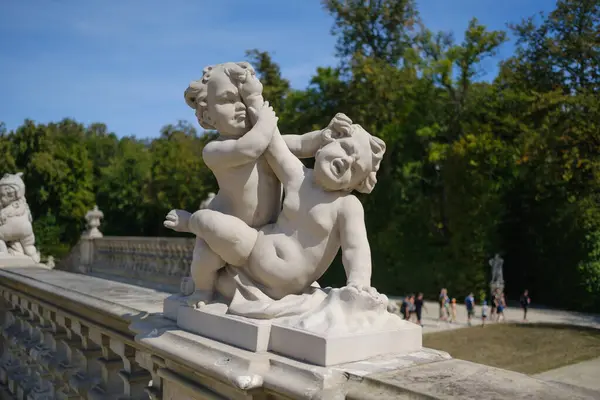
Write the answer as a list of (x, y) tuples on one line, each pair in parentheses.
[(251, 302), (319, 310)]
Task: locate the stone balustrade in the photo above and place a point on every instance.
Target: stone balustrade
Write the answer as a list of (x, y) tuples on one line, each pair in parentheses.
[(151, 262), (75, 336), (59, 343)]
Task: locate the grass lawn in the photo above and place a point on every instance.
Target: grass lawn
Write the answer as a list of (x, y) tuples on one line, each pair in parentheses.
[(526, 348)]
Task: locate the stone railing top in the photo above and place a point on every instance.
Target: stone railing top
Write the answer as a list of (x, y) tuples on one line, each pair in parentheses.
[(114, 303)]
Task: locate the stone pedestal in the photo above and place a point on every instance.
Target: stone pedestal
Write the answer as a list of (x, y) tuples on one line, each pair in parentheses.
[(325, 347), (7, 260), (213, 322), (331, 349)]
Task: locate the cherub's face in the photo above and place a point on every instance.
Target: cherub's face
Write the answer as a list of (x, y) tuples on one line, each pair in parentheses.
[(225, 108), (8, 195), (345, 162)]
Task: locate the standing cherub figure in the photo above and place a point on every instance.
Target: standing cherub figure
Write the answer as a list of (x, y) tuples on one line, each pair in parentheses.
[(248, 189)]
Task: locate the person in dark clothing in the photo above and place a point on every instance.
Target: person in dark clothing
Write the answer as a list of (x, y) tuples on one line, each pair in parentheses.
[(470, 305), (419, 305), (405, 307), (525, 301), (495, 300), (411, 306)]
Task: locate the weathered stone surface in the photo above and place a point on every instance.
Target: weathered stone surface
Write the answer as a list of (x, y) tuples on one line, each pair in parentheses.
[(458, 379)]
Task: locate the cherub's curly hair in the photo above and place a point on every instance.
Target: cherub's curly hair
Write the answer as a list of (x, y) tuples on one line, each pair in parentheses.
[(195, 94), (377, 151)]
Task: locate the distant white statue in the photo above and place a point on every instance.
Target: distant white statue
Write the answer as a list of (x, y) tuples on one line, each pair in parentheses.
[(93, 223), (16, 230), (496, 263)]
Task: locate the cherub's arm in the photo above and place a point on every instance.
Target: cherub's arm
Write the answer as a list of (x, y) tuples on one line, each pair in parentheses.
[(356, 252), (286, 166), (234, 152), (304, 146)]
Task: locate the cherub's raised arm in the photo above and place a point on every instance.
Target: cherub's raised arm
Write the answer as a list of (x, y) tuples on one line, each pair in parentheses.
[(234, 152), (356, 252), (304, 146), (284, 163)]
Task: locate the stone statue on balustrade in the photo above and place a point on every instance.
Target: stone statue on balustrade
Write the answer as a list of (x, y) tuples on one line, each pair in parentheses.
[(260, 255), (16, 230)]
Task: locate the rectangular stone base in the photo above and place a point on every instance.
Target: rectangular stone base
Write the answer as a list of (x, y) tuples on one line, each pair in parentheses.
[(326, 350), (212, 322), (171, 306), (7, 260)]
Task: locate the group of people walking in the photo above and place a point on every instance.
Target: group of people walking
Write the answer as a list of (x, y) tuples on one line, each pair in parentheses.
[(412, 307)]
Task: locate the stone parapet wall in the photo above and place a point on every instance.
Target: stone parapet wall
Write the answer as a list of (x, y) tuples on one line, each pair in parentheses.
[(74, 336)]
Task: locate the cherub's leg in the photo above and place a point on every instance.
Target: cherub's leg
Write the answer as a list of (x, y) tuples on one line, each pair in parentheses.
[(229, 237), (29, 249), (203, 270), (3, 247)]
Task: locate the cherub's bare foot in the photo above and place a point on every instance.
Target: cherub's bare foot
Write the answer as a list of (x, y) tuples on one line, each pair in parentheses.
[(178, 220), (199, 298)]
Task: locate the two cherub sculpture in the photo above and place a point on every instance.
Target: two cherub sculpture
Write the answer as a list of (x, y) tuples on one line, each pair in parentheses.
[(255, 241)]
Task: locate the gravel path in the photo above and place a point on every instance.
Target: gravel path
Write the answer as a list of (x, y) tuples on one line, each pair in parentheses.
[(431, 322)]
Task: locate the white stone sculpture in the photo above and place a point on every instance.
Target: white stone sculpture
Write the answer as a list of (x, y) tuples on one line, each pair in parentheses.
[(263, 257), (497, 263), (16, 230), (93, 222)]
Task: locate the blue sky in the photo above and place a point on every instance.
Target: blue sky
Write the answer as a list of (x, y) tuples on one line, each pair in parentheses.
[(126, 63)]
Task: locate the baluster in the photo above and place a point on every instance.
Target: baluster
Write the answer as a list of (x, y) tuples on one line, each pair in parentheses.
[(135, 378), (44, 385), (69, 359), (89, 374), (111, 385)]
